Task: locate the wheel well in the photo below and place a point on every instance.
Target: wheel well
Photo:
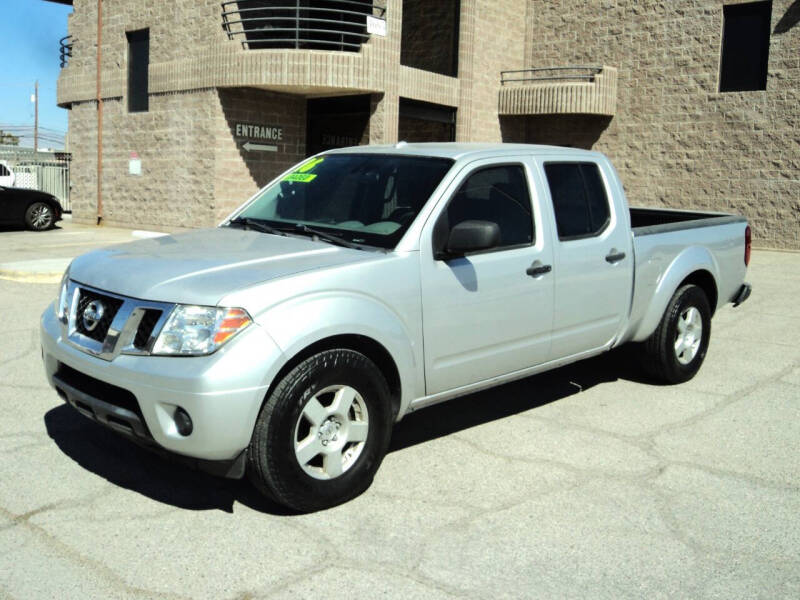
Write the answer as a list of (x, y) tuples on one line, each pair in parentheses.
[(366, 346), (705, 281)]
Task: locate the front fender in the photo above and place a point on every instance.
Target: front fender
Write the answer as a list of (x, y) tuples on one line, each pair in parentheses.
[(299, 322), (690, 260)]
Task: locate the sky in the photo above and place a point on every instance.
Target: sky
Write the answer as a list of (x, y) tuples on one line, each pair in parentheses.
[(29, 34)]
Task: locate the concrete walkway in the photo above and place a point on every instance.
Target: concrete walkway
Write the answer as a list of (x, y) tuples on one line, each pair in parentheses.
[(585, 482), (42, 257)]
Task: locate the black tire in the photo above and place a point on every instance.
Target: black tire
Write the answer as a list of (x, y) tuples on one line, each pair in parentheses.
[(39, 216), (660, 357), (273, 465)]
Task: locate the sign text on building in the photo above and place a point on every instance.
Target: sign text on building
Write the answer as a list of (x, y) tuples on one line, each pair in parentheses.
[(254, 131)]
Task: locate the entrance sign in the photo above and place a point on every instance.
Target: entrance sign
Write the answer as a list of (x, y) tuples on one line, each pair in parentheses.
[(261, 147), (258, 132)]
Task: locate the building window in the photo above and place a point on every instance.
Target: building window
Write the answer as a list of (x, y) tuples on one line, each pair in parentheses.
[(138, 66), (745, 47), (429, 39)]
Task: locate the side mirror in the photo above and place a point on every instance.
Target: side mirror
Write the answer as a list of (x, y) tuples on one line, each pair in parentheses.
[(471, 236)]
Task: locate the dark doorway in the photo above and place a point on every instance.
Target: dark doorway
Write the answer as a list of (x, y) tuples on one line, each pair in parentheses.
[(426, 122), (336, 122)]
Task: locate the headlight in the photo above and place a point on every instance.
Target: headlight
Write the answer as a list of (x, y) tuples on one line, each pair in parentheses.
[(62, 303), (196, 330)]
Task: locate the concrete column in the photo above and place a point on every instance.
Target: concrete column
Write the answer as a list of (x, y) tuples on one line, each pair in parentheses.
[(383, 120), (466, 52)]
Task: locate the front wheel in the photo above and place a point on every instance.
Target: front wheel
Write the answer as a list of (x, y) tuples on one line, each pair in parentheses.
[(323, 432), (677, 348), (39, 216)]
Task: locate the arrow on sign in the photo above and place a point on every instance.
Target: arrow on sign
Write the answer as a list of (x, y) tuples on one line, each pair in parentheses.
[(262, 147)]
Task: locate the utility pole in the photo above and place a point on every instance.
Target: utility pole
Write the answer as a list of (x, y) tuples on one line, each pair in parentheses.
[(36, 116)]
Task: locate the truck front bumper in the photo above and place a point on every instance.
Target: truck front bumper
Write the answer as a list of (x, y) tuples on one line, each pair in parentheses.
[(141, 397)]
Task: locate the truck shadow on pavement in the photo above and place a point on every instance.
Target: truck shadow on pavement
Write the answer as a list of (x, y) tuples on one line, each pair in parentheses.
[(126, 465)]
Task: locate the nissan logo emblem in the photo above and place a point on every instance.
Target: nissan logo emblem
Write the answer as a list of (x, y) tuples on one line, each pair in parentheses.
[(93, 314)]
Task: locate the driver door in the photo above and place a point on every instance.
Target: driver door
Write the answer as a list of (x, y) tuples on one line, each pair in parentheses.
[(488, 313)]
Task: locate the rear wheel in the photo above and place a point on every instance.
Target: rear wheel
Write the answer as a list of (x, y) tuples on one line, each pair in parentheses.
[(323, 432), (39, 216), (677, 348)]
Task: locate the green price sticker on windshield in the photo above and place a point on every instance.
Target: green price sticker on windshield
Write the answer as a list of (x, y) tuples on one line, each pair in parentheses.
[(309, 165), (300, 177)]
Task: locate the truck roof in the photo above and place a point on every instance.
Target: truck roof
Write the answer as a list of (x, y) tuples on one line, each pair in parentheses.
[(458, 150)]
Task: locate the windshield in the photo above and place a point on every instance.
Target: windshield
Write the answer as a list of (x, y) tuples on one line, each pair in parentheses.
[(368, 199)]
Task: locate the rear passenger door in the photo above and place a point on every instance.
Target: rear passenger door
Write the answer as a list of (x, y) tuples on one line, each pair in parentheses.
[(593, 262), (487, 313)]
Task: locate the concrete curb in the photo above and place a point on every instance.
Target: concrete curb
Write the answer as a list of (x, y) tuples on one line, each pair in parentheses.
[(46, 270)]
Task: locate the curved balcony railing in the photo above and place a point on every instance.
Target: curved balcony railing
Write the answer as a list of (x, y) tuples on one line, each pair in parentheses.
[(65, 50), (300, 24), (544, 74)]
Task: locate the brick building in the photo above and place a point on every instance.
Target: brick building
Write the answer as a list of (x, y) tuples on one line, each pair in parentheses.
[(197, 103)]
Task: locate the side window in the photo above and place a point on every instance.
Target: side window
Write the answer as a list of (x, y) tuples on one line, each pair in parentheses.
[(496, 194), (579, 199), (3, 171)]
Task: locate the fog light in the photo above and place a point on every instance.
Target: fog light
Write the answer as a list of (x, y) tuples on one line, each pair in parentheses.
[(183, 422)]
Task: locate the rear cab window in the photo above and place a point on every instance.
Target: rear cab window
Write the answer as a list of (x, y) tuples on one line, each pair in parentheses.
[(580, 201)]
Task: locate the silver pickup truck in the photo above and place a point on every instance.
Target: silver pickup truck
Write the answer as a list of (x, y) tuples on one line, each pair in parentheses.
[(369, 282)]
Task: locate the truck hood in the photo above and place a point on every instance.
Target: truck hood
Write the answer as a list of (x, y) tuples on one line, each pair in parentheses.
[(200, 267)]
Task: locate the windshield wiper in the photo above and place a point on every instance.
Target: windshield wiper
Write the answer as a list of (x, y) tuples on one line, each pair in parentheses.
[(250, 223), (328, 237)]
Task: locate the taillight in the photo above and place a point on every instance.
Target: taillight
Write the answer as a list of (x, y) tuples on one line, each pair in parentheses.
[(747, 246)]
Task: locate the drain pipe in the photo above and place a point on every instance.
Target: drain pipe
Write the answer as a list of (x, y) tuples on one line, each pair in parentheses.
[(99, 113)]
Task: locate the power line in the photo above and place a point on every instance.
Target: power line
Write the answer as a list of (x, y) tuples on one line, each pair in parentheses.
[(9, 126)]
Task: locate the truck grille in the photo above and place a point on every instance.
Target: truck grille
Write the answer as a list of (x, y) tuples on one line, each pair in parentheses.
[(146, 326), (105, 324), (109, 305)]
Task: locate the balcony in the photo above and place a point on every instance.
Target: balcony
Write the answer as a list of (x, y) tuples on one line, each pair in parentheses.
[(300, 24), (589, 90)]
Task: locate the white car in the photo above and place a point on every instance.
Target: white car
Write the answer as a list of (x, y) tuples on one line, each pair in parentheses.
[(7, 176)]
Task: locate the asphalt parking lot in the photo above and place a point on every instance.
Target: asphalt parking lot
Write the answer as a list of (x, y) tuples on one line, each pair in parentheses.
[(584, 482)]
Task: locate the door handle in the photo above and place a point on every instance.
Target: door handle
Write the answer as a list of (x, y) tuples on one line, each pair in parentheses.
[(537, 269), (614, 256)]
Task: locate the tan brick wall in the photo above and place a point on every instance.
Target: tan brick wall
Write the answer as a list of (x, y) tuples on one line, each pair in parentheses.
[(175, 142), (240, 173), (492, 40), (675, 139), (193, 171)]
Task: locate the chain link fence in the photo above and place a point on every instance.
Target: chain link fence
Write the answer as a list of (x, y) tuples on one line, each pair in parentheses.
[(45, 171)]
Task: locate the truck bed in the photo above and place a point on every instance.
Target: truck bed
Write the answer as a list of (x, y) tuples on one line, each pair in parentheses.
[(648, 221), (668, 245)]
